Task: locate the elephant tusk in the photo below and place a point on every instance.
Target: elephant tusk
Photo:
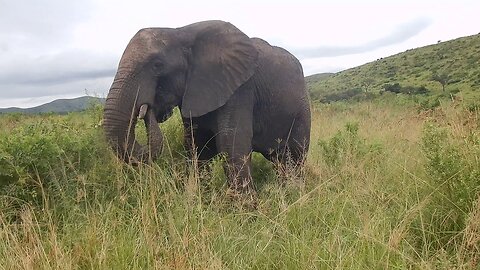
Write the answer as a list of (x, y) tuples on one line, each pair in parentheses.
[(143, 111)]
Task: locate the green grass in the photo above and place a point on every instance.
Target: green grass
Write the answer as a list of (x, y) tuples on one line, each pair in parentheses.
[(384, 188)]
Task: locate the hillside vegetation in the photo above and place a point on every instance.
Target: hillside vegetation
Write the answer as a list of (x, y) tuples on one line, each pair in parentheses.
[(456, 63)]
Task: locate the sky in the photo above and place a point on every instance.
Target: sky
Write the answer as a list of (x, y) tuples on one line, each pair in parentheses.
[(52, 49)]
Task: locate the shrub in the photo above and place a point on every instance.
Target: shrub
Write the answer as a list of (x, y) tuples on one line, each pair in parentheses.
[(35, 155), (409, 90), (473, 106), (412, 90), (394, 88), (8, 173), (346, 145), (343, 95), (428, 104), (454, 171)]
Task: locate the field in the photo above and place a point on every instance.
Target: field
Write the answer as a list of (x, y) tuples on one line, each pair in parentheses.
[(386, 186)]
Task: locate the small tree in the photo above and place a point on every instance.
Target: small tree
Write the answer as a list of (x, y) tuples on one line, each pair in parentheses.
[(441, 78), (366, 83), (394, 88)]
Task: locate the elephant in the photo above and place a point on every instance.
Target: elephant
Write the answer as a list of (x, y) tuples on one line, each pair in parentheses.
[(236, 95)]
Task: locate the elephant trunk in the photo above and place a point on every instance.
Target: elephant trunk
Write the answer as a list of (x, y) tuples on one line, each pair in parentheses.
[(125, 102)]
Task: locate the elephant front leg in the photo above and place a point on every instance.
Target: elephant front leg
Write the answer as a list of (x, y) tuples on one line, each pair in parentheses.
[(236, 143), (200, 143), (234, 133)]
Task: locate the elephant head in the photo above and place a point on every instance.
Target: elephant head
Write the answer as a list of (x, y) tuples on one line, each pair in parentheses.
[(196, 67)]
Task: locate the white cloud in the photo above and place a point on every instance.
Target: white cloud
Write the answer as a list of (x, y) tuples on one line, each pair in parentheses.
[(39, 26), (399, 35)]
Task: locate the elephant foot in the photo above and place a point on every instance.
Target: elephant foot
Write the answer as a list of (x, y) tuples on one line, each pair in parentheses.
[(290, 173), (242, 192), (238, 171)]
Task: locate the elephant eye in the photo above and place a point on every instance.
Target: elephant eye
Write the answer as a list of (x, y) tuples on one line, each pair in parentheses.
[(157, 66)]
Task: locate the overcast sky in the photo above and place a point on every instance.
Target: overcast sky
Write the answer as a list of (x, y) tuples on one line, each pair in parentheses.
[(53, 49)]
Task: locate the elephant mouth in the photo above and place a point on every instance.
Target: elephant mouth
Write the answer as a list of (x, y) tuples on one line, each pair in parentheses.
[(167, 114), (132, 151)]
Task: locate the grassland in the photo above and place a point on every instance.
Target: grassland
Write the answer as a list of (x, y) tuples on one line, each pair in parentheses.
[(392, 181), (385, 187)]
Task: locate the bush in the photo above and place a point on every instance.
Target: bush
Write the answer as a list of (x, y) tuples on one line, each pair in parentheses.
[(473, 106), (8, 173), (346, 145), (343, 95), (394, 88), (454, 171), (409, 90), (429, 104), (35, 155)]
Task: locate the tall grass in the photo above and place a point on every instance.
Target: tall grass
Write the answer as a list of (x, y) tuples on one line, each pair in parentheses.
[(384, 187)]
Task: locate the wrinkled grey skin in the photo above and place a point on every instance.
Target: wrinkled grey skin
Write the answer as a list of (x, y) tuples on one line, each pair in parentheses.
[(236, 95)]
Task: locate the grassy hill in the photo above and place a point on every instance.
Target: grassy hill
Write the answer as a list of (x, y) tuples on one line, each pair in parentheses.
[(457, 61), (60, 106), (312, 79)]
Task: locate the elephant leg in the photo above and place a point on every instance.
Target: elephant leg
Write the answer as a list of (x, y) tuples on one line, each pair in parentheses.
[(239, 166), (290, 153), (234, 137), (299, 140), (200, 142)]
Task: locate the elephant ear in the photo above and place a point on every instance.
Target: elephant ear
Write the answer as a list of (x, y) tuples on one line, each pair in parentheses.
[(222, 59)]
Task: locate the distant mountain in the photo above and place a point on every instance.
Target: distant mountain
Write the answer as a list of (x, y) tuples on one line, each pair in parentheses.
[(458, 61), (61, 106)]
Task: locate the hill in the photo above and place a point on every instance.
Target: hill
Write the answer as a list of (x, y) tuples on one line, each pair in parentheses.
[(60, 106), (317, 77), (455, 63)]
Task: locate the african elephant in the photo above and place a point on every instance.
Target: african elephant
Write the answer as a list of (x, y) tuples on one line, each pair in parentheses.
[(236, 95)]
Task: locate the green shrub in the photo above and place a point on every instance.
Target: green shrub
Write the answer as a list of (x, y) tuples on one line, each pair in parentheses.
[(394, 88), (345, 146), (473, 106), (453, 166), (409, 90), (35, 155), (342, 95), (8, 174), (428, 104)]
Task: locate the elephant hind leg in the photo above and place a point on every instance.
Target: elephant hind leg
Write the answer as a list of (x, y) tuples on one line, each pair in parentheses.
[(290, 154), (289, 162), (299, 138), (294, 148), (286, 156)]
